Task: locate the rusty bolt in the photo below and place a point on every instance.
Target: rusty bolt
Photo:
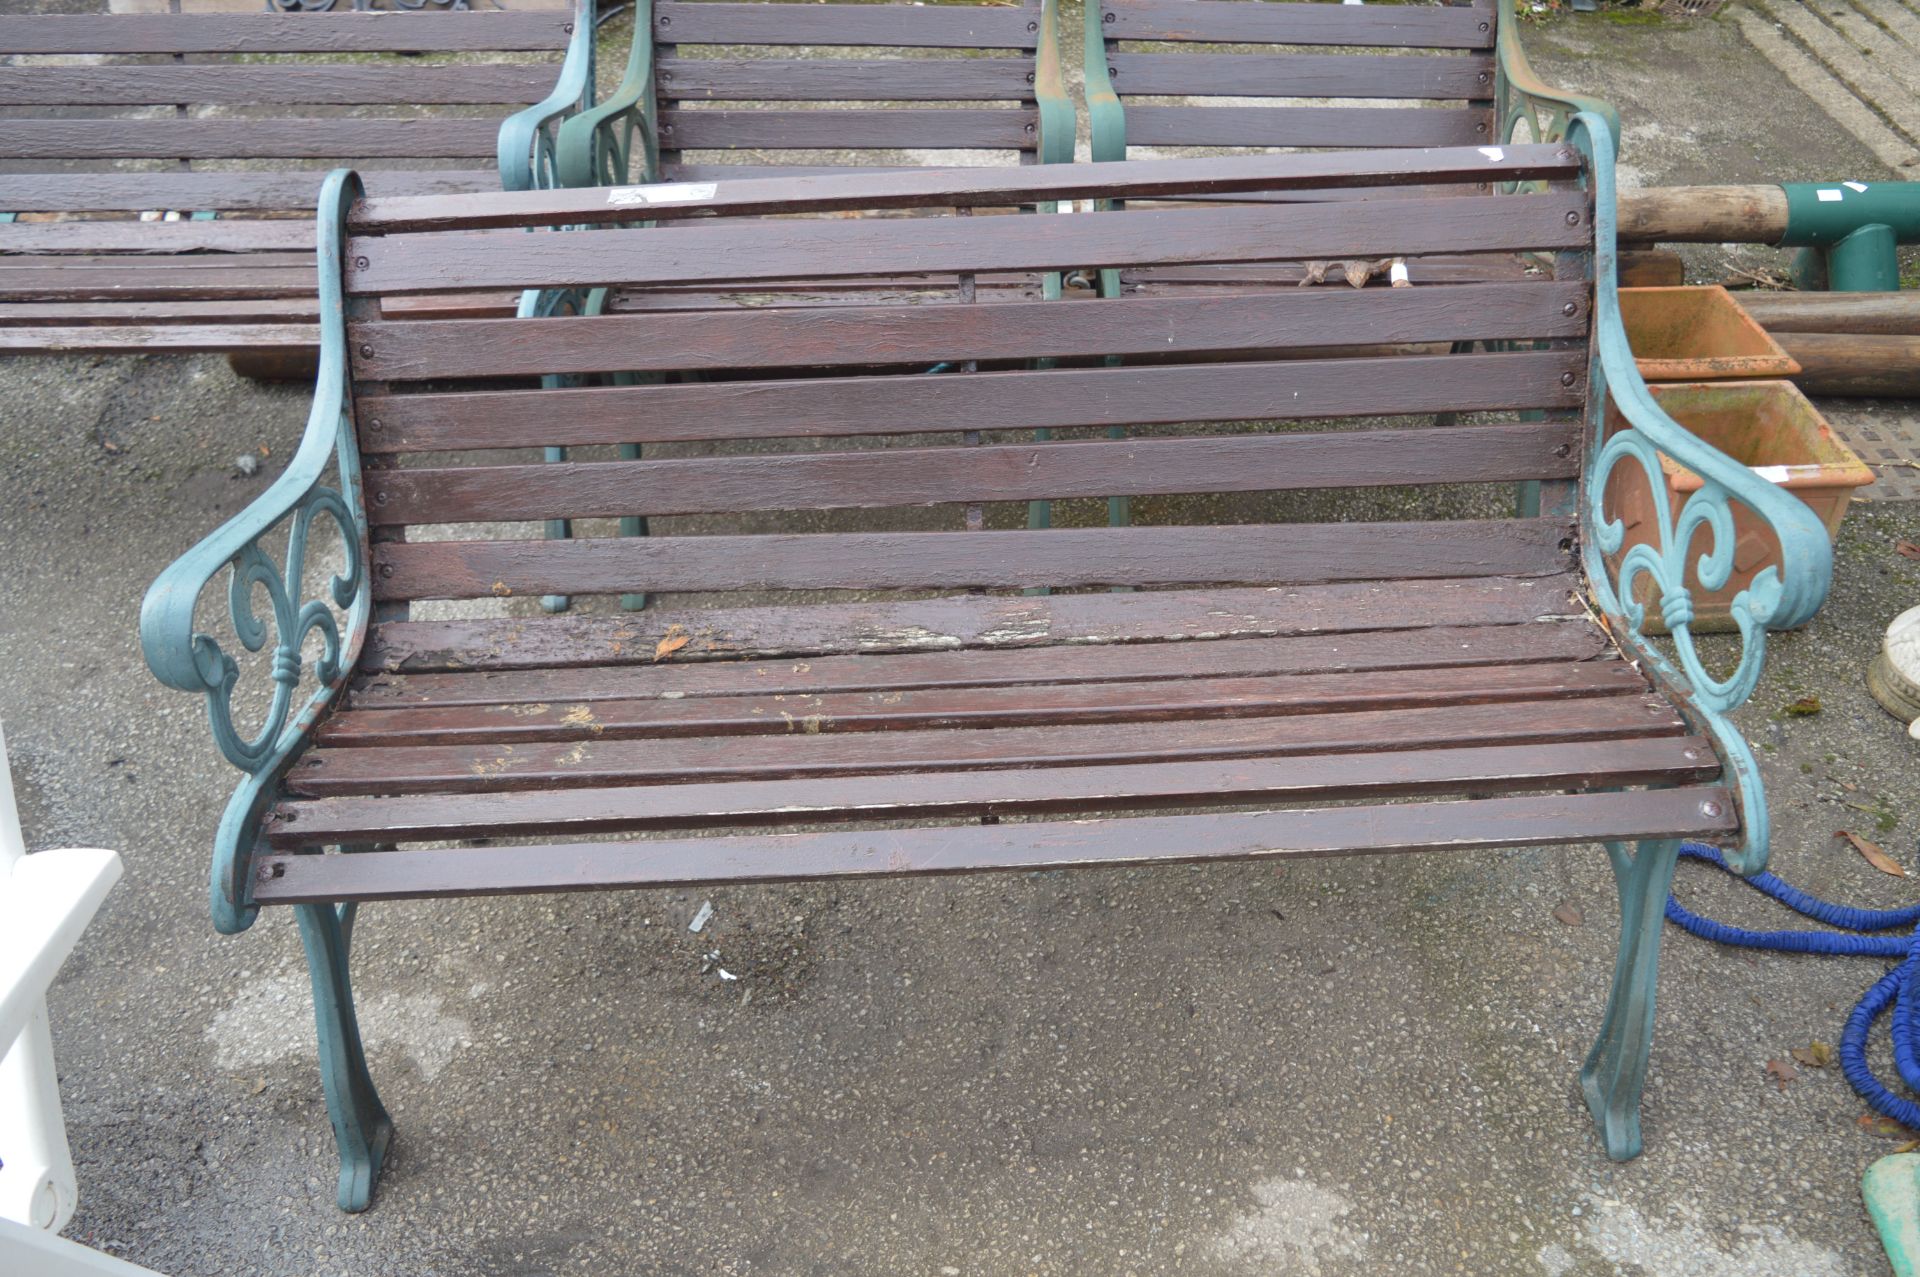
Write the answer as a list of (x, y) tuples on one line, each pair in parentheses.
[(375, 424), (366, 351), (1029, 128), (386, 570), (1571, 308), (359, 263), (1567, 379), (1709, 808), (1573, 218), (1563, 450), (380, 497)]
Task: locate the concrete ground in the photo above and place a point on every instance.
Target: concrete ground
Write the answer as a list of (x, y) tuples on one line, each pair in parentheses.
[(1326, 1068)]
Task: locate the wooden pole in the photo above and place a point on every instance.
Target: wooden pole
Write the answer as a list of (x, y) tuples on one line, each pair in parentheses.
[(1855, 364), (1703, 215), (1890, 314)]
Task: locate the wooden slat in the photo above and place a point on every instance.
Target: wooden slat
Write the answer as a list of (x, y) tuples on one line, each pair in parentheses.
[(267, 310), (806, 249), (877, 188), (344, 32), (1054, 398), (771, 338), (129, 192), (248, 139), (420, 769), (1579, 765), (257, 85), (174, 337), (996, 472), (947, 128), (1236, 22), (1152, 701), (1438, 647), (1300, 75), (1305, 125), (217, 236), (969, 623), (1059, 557), (845, 79), (960, 26), (194, 278)]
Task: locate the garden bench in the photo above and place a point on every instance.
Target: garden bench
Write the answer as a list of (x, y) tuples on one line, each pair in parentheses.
[(1316, 672), (255, 109)]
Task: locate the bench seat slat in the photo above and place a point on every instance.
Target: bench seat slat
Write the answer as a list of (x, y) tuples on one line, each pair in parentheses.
[(769, 338), (1157, 700), (1299, 75), (967, 623), (941, 128), (476, 768), (427, 137), (1274, 22), (846, 79), (177, 337), (969, 26), (1579, 765), (1296, 553), (343, 32), (988, 401), (1439, 647), (1495, 822), (256, 85), (135, 192), (995, 472), (1334, 126), (157, 238), (802, 249)]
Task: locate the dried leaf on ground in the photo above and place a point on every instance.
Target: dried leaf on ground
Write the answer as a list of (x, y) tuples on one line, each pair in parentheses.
[(673, 642), (1805, 707), (1907, 549), (1877, 858), (1782, 1072), (1884, 1128), (1568, 912), (1815, 1054)]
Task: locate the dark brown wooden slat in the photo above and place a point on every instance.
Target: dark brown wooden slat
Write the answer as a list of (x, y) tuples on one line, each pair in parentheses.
[(950, 128), (183, 236), (818, 190), (746, 338), (257, 85), (131, 192), (1061, 557), (176, 337), (247, 139), (1495, 822), (1305, 125), (267, 310), (1300, 75), (1155, 701), (1053, 398), (1434, 648), (1177, 281), (845, 79), (969, 26), (968, 623), (1236, 22), (995, 472), (426, 32), (805, 249), (410, 769), (63, 279), (1577, 765)]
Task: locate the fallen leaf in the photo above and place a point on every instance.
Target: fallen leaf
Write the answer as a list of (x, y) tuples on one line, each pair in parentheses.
[(1781, 1072), (1569, 913), (259, 1085), (1805, 707), (1815, 1054), (1879, 1127), (1909, 1147), (1907, 549), (672, 643), (1877, 858)]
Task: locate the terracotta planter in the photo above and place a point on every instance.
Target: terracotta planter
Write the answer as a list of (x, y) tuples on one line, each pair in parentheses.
[(1698, 334), (1768, 425)]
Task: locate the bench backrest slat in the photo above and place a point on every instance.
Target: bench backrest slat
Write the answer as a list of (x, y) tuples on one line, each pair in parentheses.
[(889, 25), (1278, 22), (477, 31), (256, 85), (435, 138)]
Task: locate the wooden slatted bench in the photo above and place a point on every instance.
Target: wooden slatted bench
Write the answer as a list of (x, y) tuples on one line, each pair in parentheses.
[(252, 107), (1299, 667)]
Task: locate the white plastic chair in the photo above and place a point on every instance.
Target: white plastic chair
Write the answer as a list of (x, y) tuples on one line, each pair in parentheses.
[(46, 900)]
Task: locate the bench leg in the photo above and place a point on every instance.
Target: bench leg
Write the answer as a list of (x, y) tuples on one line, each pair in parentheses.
[(361, 1127), (1616, 1068)]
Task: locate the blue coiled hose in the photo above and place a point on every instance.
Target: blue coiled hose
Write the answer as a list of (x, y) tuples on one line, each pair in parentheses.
[(1895, 989)]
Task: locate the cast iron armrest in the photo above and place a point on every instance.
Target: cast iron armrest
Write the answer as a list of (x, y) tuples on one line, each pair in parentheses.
[(1777, 598), (528, 147), (595, 146), (1520, 95)]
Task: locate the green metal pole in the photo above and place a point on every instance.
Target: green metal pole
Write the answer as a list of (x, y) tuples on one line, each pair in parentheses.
[(1850, 231)]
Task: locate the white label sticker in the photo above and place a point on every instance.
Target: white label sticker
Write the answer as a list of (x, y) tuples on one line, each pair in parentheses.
[(1829, 196), (672, 193), (1493, 153), (1397, 274), (1855, 186), (1772, 474)]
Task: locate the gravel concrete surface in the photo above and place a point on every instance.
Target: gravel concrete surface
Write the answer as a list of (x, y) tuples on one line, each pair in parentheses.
[(1337, 1067)]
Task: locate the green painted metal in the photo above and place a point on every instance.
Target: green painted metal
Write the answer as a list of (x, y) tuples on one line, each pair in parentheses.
[(362, 1131), (1848, 233), (596, 147), (1777, 598), (1615, 1071), (1520, 97), (1891, 1187), (529, 139), (182, 657)]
